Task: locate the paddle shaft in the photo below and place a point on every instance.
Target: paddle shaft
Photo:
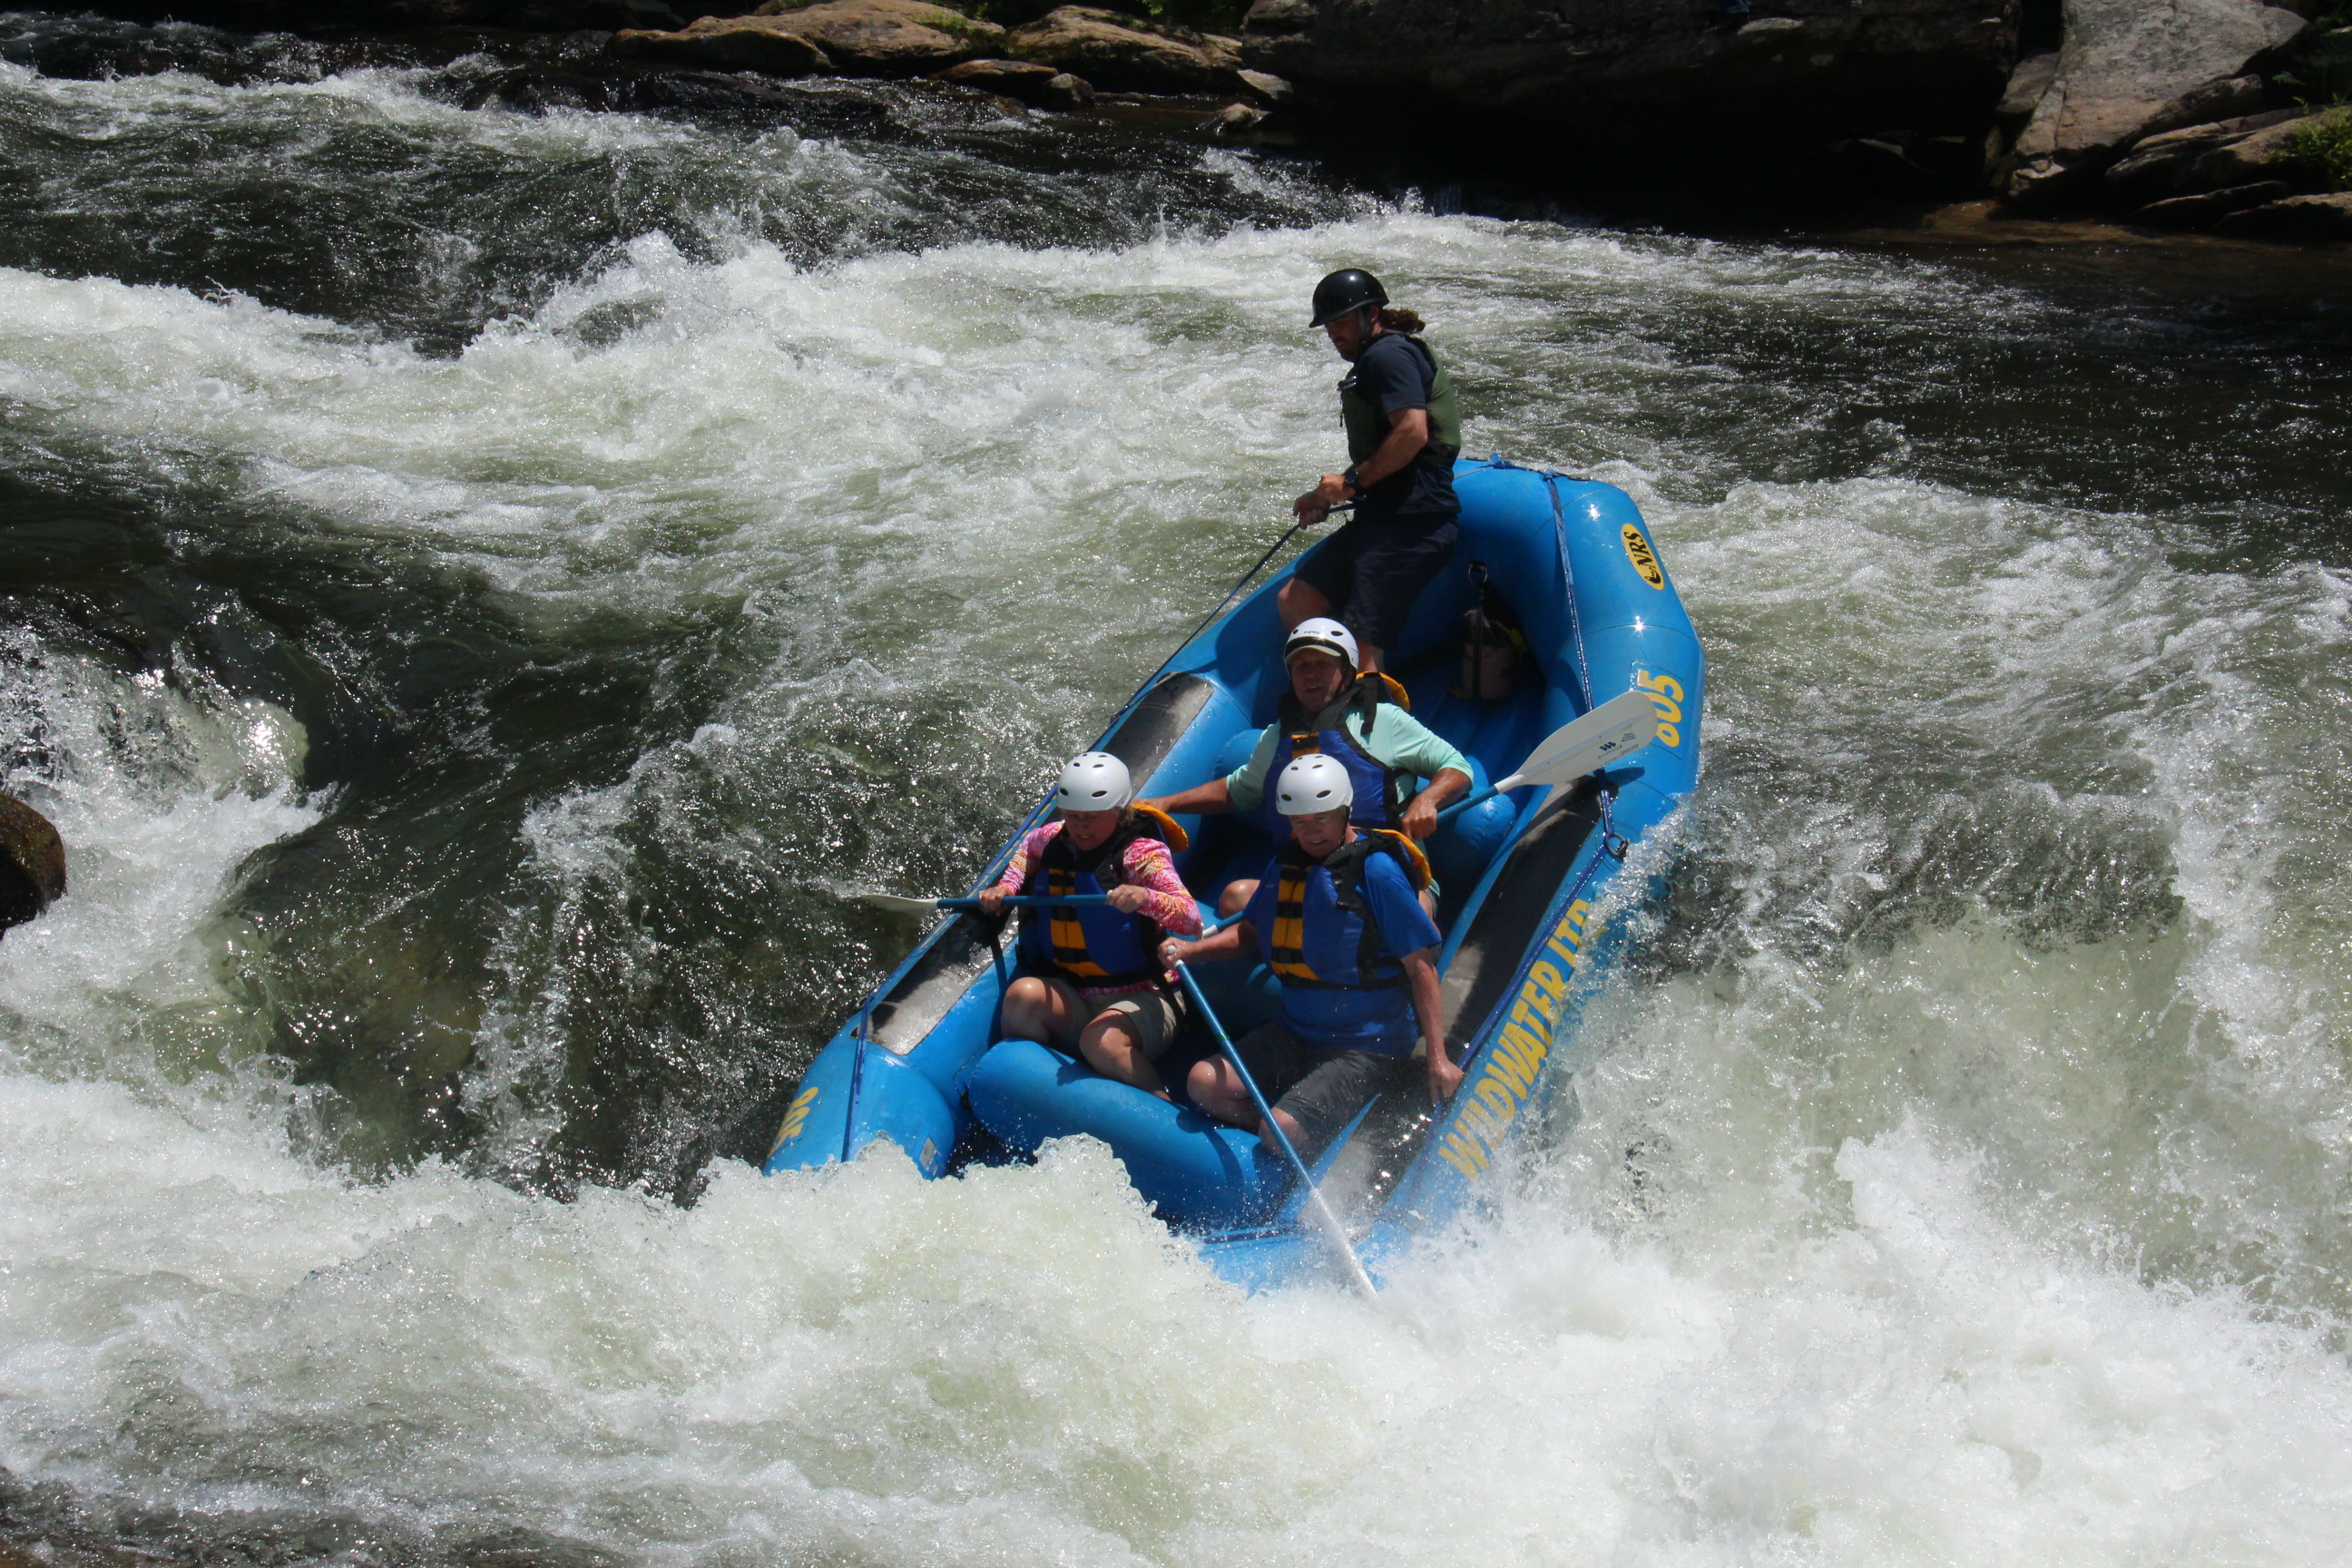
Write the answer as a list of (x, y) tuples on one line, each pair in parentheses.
[(1332, 1229), (1478, 797), (1025, 901)]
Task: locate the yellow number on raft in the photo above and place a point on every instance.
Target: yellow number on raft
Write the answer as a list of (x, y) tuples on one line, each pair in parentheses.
[(1666, 694)]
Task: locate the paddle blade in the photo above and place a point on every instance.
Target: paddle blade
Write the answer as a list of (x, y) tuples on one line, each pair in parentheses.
[(899, 906), (1610, 732)]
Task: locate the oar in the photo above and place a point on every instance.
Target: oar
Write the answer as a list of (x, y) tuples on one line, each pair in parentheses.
[(1615, 730), (899, 906), (1323, 1215)]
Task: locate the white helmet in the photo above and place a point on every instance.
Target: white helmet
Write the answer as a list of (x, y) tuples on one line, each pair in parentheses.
[(1094, 781), (1311, 783), (1322, 635)]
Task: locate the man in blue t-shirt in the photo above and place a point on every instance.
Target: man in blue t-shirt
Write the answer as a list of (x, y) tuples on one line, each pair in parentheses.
[(1337, 919), (1404, 430)]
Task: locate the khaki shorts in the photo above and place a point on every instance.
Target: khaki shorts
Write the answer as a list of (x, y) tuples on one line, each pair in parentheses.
[(1150, 1015)]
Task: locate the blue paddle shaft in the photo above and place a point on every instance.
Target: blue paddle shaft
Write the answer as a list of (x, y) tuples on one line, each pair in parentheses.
[(1332, 1229), (1474, 797), (1023, 901), (1225, 1044)]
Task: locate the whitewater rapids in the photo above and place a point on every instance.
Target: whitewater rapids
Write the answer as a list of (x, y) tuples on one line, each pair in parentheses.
[(530, 657)]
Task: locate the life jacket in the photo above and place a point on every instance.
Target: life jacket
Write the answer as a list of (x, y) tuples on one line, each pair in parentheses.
[(1379, 790), (1285, 945), (1368, 426), (1094, 945)]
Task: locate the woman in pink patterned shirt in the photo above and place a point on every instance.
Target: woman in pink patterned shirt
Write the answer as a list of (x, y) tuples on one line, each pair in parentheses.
[(1089, 978)]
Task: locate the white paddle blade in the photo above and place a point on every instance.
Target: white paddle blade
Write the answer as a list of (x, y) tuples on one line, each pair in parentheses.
[(899, 906), (1610, 732)]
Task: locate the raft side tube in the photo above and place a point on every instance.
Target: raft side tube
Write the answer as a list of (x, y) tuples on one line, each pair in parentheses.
[(842, 1106), (1190, 1169)]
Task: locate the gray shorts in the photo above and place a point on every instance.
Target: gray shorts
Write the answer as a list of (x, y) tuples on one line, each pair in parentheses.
[(1316, 1088)]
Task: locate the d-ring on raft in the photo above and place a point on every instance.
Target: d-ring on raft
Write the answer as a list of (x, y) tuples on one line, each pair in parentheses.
[(1525, 875)]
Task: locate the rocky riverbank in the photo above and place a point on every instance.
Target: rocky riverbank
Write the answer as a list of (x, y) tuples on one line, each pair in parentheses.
[(2203, 115)]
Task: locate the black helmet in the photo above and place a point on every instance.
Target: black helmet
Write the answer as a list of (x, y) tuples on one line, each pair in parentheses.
[(1351, 288)]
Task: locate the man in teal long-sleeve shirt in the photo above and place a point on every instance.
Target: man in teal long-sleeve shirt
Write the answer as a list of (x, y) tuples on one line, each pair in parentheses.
[(1331, 708)]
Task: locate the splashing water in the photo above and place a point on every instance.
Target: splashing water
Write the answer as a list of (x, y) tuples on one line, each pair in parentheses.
[(463, 693)]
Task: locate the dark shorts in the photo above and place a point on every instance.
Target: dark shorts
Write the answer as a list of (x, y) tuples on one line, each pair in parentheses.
[(1375, 567), (1318, 1089)]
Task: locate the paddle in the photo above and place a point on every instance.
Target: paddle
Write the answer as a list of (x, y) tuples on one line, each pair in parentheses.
[(1323, 1215), (899, 906), (1615, 730)]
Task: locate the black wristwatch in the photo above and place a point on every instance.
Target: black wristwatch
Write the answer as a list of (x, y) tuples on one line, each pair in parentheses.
[(1355, 485)]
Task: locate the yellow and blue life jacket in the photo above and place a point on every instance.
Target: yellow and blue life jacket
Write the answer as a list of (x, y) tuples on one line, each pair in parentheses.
[(1285, 947), (1379, 790), (1094, 945)]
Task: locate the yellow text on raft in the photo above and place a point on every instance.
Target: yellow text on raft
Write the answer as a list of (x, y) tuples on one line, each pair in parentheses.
[(1490, 1103)]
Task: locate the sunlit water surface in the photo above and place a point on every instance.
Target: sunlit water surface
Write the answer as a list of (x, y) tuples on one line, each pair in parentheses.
[(488, 587)]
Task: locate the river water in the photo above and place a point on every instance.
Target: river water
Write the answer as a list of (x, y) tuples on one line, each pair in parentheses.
[(486, 585)]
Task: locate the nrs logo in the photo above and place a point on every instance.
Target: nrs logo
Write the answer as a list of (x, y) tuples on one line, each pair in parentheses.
[(1645, 559)]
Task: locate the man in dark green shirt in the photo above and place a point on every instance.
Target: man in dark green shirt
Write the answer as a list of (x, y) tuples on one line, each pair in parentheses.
[(1404, 430)]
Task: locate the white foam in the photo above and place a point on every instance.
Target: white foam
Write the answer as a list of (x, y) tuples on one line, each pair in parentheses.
[(158, 790), (1884, 1238)]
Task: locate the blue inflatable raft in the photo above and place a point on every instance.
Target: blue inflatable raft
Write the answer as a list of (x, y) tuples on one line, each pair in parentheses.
[(1522, 876)]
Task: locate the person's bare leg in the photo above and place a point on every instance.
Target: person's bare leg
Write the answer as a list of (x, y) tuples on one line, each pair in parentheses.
[(1111, 1046), (1236, 896), (1368, 658), (1290, 1129), (1429, 903), (1217, 1089), (1037, 1011), (1298, 602)]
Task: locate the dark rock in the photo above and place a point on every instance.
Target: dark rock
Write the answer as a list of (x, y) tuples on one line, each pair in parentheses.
[(1278, 18), (2327, 218), (2123, 64), (865, 37), (1023, 79), (1639, 74), (1891, 165), (2027, 83), (2203, 210), (763, 43), (1029, 81), (2265, 152), (1067, 92), (1128, 54), (2174, 163), (1235, 118), (1267, 89), (2230, 100), (889, 38), (32, 863)]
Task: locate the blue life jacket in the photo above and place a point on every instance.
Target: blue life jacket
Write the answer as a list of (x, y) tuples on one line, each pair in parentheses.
[(1094, 946), (1379, 790), (1325, 904)]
